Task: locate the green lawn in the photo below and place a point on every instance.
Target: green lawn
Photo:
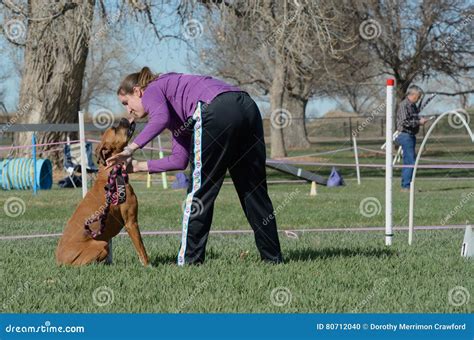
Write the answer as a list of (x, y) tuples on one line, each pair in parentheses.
[(323, 272)]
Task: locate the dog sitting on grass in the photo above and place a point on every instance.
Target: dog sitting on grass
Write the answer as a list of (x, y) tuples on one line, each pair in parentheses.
[(100, 217)]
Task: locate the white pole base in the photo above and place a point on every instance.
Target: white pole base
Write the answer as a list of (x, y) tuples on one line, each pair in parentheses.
[(467, 249)]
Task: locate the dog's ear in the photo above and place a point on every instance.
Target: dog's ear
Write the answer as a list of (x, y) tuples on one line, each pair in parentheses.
[(102, 152)]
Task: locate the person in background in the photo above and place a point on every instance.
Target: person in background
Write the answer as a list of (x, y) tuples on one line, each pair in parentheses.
[(408, 124)]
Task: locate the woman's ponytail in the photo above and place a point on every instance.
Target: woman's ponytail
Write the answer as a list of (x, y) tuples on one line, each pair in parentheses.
[(145, 77), (140, 79)]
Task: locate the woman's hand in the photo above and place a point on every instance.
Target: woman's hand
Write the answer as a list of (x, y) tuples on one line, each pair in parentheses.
[(122, 157), (131, 167), (136, 166)]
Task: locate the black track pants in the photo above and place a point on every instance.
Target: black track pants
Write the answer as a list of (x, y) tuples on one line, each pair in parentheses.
[(228, 135)]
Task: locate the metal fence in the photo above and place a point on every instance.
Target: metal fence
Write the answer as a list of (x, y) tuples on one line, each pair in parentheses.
[(368, 128), (325, 129)]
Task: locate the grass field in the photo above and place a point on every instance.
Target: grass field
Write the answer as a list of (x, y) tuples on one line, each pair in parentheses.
[(323, 272)]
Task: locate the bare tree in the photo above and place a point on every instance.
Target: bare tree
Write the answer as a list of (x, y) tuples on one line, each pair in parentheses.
[(3, 78), (357, 98), (279, 48), (55, 51), (455, 93), (107, 61), (419, 40), (55, 38)]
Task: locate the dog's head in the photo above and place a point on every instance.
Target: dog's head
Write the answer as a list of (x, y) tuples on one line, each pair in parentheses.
[(114, 140)]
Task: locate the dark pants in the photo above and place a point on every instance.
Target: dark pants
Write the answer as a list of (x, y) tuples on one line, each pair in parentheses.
[(408, 142), (228, 134)]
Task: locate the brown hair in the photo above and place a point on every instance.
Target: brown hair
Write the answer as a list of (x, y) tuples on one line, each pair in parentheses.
[(140, 79)]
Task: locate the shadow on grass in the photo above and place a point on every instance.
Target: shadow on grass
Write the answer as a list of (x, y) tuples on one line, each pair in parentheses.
[(445, 189), (170, 259), (163, 259), (309, 254)]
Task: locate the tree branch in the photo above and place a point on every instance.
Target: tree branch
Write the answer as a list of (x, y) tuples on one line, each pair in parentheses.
[(451, 94)]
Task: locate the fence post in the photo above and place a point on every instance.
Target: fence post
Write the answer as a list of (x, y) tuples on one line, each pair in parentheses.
[(388, 163), (82, 143), (163, 174), (350, 127), (356, 156), (33, 154)]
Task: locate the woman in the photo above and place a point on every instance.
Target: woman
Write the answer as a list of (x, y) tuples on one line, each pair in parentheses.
[(215, 127)]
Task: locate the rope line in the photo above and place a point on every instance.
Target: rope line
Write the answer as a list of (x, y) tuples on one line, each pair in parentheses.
[(249, 231)]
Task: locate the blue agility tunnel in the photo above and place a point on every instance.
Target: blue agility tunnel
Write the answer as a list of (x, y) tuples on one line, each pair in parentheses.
[(18, 173)]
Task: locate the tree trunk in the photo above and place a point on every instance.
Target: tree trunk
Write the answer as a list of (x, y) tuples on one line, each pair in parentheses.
[(55, 56), (399, 93), (278, 117), (294, 135)]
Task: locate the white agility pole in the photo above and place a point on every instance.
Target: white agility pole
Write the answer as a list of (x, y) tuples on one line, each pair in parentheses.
[(356, 156), (467, 248), (163, 174), (412, 184), (388, 163), (82, 143)]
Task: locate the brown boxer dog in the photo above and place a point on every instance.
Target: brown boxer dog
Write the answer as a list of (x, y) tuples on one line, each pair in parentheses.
[(79, 246)]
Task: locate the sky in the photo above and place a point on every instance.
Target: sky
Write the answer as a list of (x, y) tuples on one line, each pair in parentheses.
[(164, 57), (170, 55)]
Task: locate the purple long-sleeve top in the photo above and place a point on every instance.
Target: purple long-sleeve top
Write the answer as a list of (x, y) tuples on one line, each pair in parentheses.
[(170, 101)]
